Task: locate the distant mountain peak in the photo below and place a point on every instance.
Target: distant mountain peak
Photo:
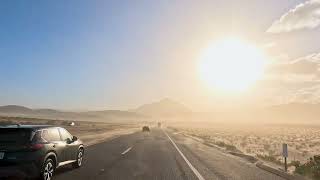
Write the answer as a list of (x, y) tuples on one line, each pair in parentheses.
[(14, 108), (163, 107), (167, 101)]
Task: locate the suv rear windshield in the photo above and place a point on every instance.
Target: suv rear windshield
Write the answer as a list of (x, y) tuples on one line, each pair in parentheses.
[(14, 135)]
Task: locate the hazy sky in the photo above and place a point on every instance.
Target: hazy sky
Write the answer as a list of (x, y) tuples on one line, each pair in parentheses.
[(119, 54)]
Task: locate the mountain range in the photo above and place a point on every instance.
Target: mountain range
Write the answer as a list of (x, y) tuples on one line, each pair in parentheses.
[(165, 107), (293, 112)]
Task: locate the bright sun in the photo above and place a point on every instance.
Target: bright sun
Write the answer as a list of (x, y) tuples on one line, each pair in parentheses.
[(231, 65)]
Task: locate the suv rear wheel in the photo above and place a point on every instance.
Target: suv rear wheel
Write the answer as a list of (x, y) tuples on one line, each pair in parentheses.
[(48, 169), (79, 160)]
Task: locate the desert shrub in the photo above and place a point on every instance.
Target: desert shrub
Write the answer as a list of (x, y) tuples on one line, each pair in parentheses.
[(266, 146), (295, 164), (51, 122), (220, 144), (227, 146), (304, 153), (270, 158), (312, 145), (243, 144), (272, 152), (65, 123), (231, 148), (310, 168), (6, 122)]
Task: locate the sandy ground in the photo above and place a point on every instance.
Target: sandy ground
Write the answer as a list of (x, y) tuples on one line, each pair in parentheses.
[(95, 138), (89, 132)]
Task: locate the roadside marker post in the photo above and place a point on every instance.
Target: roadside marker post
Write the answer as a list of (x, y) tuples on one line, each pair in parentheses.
[(285, 155)]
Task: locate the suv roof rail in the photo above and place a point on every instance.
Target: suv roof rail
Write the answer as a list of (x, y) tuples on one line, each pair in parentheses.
[(18, 125)]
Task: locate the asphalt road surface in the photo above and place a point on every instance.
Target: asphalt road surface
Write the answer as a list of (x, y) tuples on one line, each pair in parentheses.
[(160, 155)]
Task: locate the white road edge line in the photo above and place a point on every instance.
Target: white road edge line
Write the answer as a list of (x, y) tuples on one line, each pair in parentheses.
[(195, 171), (126, 151)]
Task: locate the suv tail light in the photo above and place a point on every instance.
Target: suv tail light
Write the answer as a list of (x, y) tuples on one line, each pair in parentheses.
[(35, 147)]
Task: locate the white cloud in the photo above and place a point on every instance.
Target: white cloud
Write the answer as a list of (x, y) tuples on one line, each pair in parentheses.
[(303, 16), (314, 57), (295, 80), (309, 64)]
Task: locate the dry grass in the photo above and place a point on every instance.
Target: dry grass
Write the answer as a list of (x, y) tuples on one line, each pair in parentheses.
[(264, 141)]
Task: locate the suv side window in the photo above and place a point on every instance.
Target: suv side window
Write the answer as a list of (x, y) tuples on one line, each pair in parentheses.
[(37, 137), (65, 134), (51, 134), (45, 135)]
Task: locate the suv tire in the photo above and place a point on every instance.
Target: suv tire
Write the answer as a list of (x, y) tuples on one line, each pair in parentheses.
[(48, 169), (79, 159)]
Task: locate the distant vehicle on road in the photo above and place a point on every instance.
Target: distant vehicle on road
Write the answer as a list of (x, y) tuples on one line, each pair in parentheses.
[(145, 129), (36, 151)]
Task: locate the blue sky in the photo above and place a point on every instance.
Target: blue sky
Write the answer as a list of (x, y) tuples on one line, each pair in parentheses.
[(80, 54)]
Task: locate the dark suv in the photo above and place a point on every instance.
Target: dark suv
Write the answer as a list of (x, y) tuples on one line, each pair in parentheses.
[(145, 129), (35, 151)]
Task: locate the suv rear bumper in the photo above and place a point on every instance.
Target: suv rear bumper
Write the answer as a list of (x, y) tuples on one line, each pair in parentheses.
[(25, 170)]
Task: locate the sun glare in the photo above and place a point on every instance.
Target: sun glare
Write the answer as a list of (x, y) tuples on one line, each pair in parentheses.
[(231, 65)]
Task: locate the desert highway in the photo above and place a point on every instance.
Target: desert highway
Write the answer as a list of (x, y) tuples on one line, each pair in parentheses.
[(160, 154)]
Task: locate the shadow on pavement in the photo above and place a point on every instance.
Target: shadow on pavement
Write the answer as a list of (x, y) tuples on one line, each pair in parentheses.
[(64, 169)]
